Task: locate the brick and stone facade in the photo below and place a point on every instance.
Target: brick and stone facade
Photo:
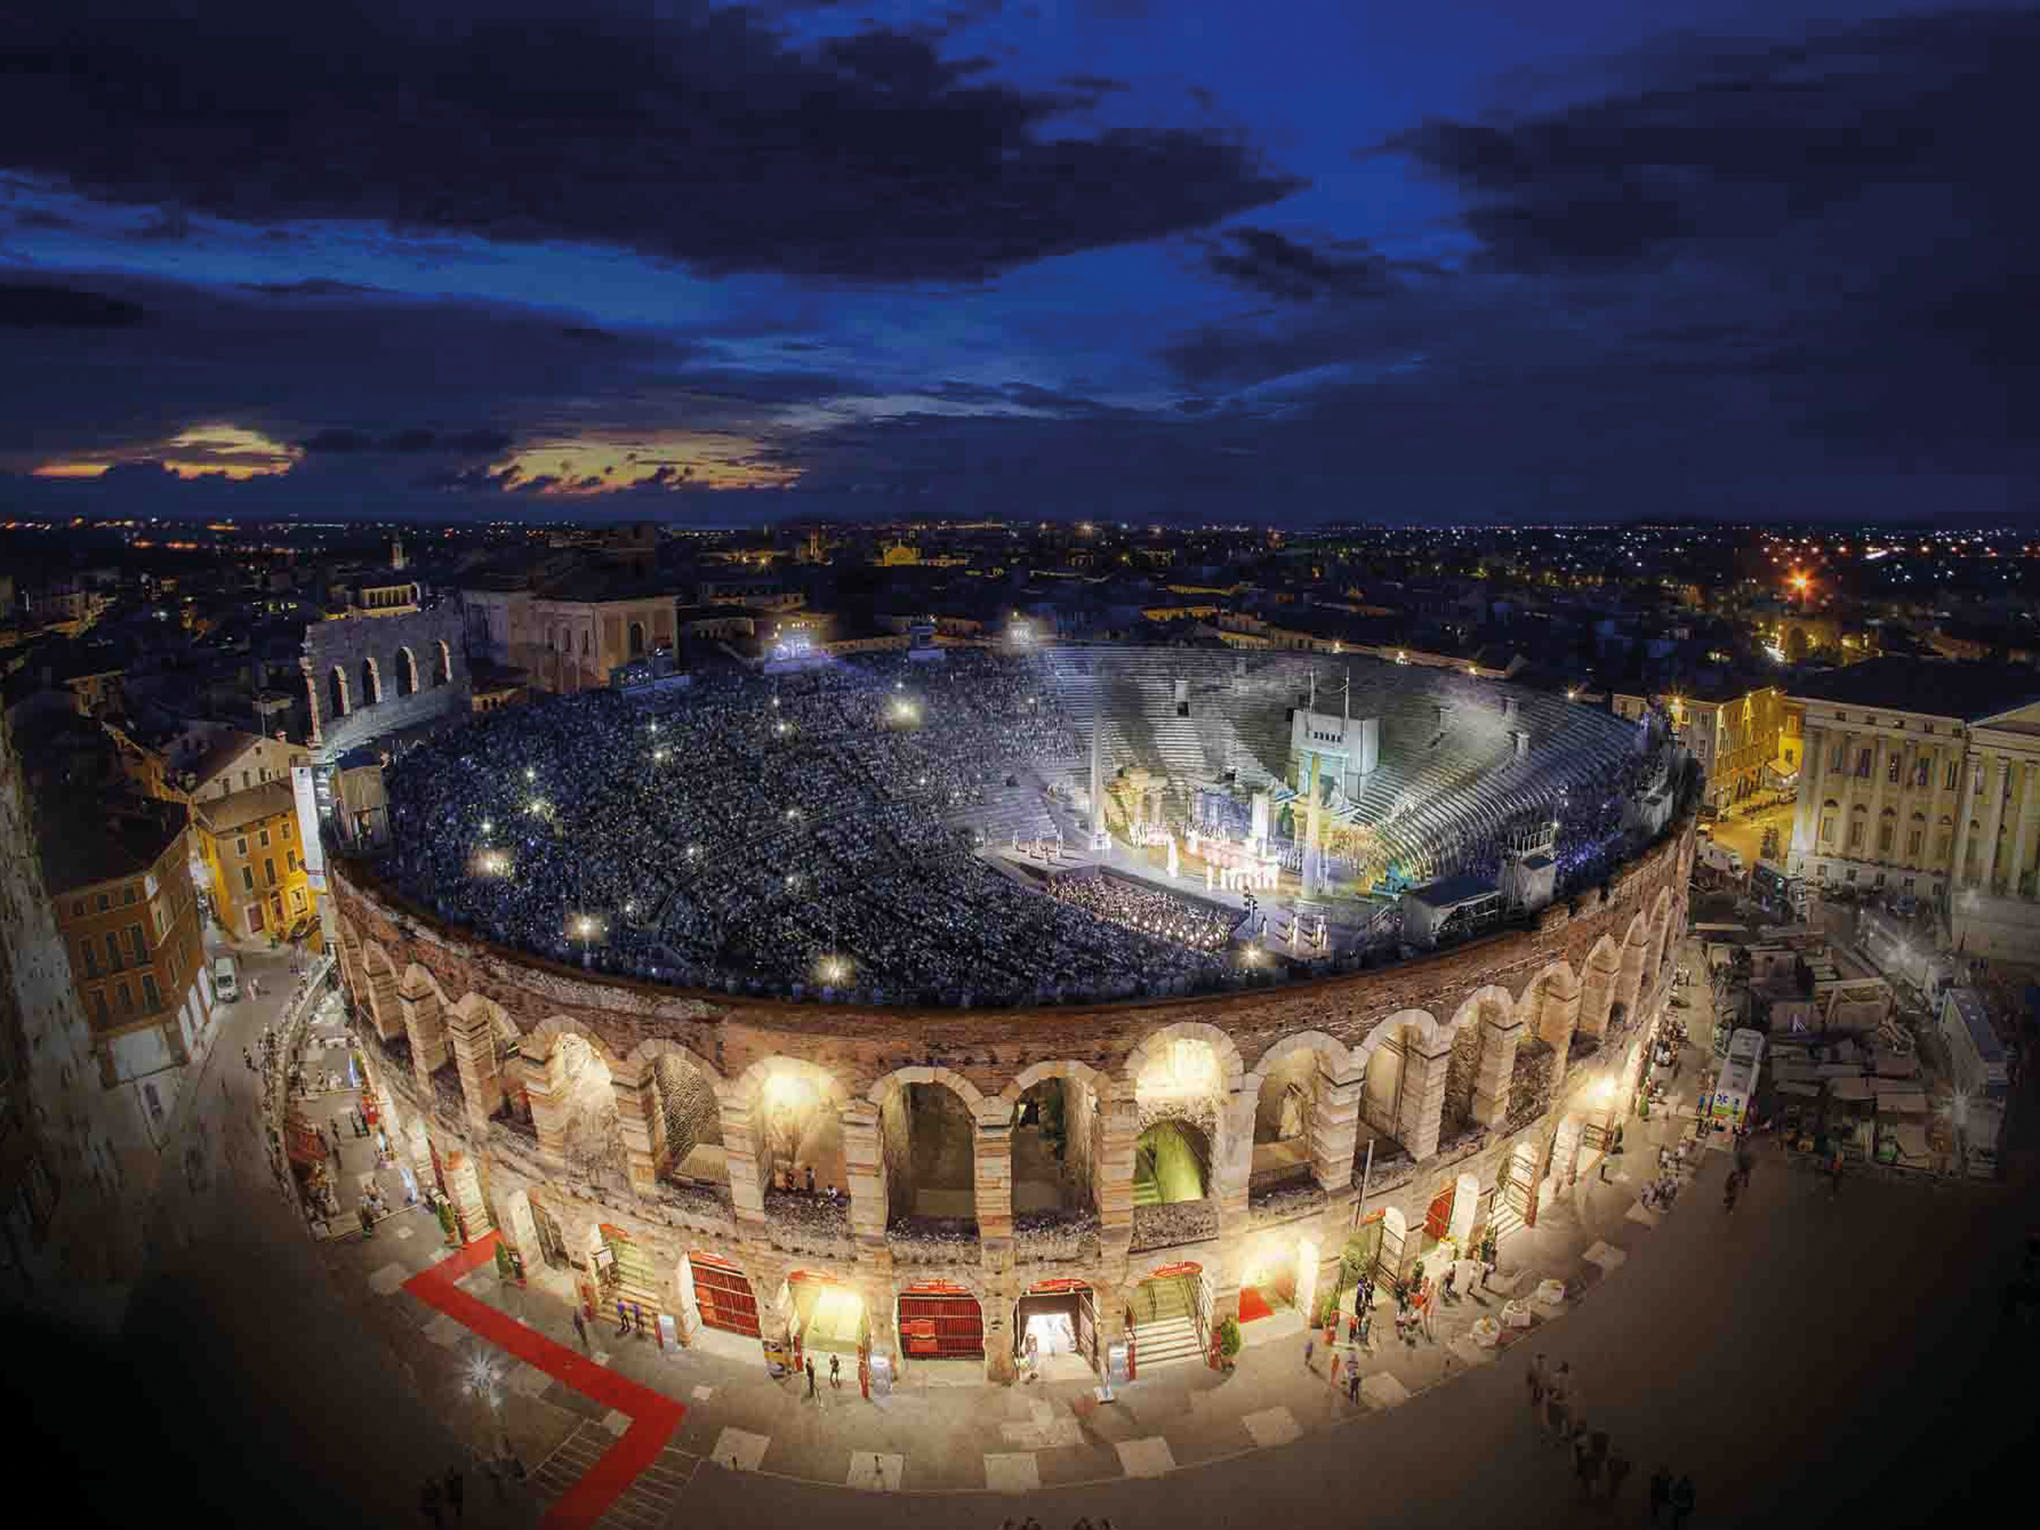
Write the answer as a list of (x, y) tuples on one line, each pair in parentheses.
[(1527, 1039), (368, 677)]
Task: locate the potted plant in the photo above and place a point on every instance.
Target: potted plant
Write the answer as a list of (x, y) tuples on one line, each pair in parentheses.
[(446, 1223), (1228, 1341), (506, 1267)]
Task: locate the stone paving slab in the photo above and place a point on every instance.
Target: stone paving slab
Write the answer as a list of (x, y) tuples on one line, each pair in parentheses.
[(1012, 1472), (1606, 1255), (1272, 1426), (1642, 1215), (1384, 1391), (739, 1449), (1150, 1457), (875, 1471), (389, 1279)]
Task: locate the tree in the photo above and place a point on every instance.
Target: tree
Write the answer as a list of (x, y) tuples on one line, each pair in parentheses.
[(1796, 646)]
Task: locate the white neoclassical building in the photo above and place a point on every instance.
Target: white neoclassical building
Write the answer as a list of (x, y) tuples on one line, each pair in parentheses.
[(1923, 775)]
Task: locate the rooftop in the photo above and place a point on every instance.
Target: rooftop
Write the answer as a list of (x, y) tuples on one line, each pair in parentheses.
[(1933, 687), (237, 809), (83, 844)]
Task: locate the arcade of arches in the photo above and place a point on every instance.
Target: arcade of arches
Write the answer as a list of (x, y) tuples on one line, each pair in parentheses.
[(751, 1174)]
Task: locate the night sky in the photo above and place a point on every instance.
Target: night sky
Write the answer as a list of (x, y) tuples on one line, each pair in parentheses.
[(1288, 262)]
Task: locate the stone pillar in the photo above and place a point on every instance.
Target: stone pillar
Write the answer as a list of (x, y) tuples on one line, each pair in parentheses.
[(1996, 773), (425, 1029), (1423, 1094), (1112, 1175), (1597, 993), (992, 1167), (546, 1116), (1233, 1157), (1628, 985), (1814, 746), (1964, 803), (1499, 1037), (740, 1157), (2029, 814), (637, 1114), (464, 1189), (481, 1074), (384, 1009), (1335, 1128), (864, 1165)]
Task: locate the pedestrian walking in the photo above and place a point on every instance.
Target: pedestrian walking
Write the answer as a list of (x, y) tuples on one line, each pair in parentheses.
[(1682, 1500), (1556, 1410), (811, 1378), (1353, 1385), (1335, 1365), (456, 1491), (1618, 1469), (810, 1179), (428, 1501), (1660, 1492), (836, 1372), (1586, 1465), (1309, 1348), (367, 1222), (580, 1328), (637, 1316), (1451, 1278), (1536, 1377), (622, 1318)]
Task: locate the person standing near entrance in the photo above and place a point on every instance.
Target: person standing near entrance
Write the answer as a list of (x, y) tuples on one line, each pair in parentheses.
[(811, 1378), (580, 1329), (622, 1318), (836, 1372)]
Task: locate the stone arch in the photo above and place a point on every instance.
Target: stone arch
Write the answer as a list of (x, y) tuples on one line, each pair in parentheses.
[(1380, 1057), (680, 1097), (1231, 1070), (1484, 1022), (637, 640), (371, 682), (796, 1111), (929, 1123), (404, 669), (1597, 987), (337, 698), (1100, 1084), (537, 1043), (956, 1082), (1550, 1004), (1171, 1149), (1663, 917), (1332, 1055), (1636, 944)]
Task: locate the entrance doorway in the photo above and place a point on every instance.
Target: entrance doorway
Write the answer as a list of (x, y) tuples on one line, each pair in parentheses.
[(940, 1321), (1056, 1325), (551, 1246), (722, 1294)]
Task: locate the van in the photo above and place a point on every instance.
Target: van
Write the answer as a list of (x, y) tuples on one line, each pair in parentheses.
[(226, 979)]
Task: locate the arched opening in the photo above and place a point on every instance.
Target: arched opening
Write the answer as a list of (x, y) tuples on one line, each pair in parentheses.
[(1167, 1317), (1055, 1330), (687, 1129), (336, 692), (820, 1319), (630, 1288), (406, 667), (1282, 1120), (1053, 1147), (1278, 1280), (1516, 1197), (371, 683), (929, 1139), (591, 1133), (941, 1323), (637, 640), (442, 670), (1171, 1163), (799, 1131)]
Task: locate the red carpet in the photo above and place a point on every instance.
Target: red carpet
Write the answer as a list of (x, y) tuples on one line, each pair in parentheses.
[(653, 1417), (1252, 1306)]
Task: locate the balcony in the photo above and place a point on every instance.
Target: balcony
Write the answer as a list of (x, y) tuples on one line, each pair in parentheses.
[(933, 1240), (1173, 1222), (1055, 1237), (815, 1225), (1288, 1198)]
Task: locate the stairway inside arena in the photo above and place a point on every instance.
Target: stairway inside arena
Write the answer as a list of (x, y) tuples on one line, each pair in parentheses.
[(1165, 1324)]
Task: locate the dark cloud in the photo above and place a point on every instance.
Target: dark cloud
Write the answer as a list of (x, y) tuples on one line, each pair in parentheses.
[(866, 157), (337, 440), (310, 286), (32, 305), (1278, 266)]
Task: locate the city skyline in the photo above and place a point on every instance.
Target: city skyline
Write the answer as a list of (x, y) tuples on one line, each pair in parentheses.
[(1042, 262)]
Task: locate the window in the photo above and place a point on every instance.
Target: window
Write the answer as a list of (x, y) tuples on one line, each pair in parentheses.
[(126, 998), (78, 909), (1885, 832), (297, 900), (286, 829), (150, 996), (290, 860), (1855, 833), (1841, 760), (1863, 764), (241, 845), (265, 839), (138, 943), (1976, 777), (91, 959), (269, 869), (113, 961), (127, 896), (247, 879), (105, 903), (1915, 840), (1827, 828), (99, 1012), (1891, 769), (1949, 784), (1923, 774)]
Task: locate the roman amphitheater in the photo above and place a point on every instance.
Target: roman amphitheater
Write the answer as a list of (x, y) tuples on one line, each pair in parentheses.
[(938, 1178)]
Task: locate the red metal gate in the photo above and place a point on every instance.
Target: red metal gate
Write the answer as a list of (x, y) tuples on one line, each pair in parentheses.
[(941, 1321), (723, 1295)]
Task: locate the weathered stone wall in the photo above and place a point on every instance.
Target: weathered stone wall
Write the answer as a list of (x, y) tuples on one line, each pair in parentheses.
[(434, 643), (693, 1116)]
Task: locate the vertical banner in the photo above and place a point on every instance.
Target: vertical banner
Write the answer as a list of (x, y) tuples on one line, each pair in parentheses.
[(304, 792)]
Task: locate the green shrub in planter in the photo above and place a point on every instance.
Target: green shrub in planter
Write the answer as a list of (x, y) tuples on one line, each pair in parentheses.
[(506, 1268), (446, 1222), (1228, 1339)]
